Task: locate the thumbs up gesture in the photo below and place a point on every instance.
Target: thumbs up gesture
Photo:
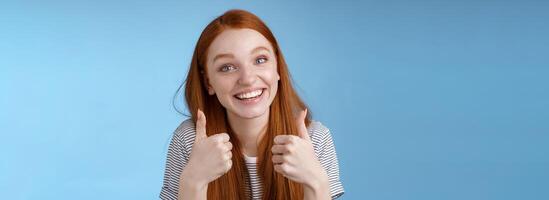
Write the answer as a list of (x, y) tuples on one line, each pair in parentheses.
[(294, 157), (210, 158)]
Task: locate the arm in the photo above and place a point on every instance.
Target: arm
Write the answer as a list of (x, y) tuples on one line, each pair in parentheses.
[(210, 158), (317, 189), (294, 157), (190, 189)]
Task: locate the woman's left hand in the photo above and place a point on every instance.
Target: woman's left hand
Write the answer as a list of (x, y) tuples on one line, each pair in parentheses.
[(295, 159)]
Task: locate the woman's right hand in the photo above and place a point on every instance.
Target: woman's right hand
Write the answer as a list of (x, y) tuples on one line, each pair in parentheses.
[(210, 158)]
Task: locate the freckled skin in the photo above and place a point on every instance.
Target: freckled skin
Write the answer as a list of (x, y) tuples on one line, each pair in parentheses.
[(247, 71), (242, 68)]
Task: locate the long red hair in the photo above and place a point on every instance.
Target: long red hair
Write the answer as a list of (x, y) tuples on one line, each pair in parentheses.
[(281, 115)]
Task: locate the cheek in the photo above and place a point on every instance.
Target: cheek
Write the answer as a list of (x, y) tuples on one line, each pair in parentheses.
[(271, 79), (271, 76), (221, 85)]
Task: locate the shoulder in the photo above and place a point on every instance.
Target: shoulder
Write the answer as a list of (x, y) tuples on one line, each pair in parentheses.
[(319, 134), (185, 133), (317, 130)]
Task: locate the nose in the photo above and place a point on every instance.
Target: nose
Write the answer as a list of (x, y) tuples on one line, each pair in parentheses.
[(247, 76)]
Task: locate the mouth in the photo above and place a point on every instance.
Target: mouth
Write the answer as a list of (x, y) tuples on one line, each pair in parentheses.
[(250, 96)]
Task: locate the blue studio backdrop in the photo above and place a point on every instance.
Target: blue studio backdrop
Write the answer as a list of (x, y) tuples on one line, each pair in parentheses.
[(425, 100)]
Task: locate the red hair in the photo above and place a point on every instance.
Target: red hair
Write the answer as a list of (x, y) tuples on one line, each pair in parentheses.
[(281, 114)]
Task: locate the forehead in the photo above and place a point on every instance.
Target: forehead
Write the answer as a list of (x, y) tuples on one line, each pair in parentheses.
[(237, 41)]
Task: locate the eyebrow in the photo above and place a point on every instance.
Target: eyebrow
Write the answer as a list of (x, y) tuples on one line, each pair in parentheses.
[(228, 55)]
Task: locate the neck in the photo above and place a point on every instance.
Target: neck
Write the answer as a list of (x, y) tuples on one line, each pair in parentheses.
[(249, 131)]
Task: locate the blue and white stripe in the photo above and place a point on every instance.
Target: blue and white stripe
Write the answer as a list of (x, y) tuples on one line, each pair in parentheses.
[(183, 139)]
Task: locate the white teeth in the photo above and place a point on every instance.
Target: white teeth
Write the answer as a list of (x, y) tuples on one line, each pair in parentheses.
[(250, 94)]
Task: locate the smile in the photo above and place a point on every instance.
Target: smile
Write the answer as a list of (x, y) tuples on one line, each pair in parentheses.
[(251, 97)]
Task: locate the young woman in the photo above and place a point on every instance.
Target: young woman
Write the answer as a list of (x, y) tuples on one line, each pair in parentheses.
[(250, 136)]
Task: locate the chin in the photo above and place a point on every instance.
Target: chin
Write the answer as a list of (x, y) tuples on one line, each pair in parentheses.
[(250, 114)]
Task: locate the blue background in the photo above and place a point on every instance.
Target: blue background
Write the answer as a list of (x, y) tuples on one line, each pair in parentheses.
[(425, 99)]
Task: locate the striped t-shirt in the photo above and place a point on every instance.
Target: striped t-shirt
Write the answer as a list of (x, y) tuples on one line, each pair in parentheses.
[(182, 140)]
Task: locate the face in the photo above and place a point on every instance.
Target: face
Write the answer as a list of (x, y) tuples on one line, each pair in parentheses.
[(242, 72)]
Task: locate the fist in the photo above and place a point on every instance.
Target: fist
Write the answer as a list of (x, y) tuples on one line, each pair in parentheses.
[(210, 158), (294, 156)]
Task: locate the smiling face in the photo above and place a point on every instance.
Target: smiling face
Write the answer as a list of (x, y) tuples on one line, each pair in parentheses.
[(242, 72)]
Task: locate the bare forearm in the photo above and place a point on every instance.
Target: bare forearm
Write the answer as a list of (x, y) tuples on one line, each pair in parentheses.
[(189, 186), (189, 191), (317, 188), (319, 191)]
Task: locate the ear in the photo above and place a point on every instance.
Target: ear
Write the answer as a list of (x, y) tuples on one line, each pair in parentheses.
[(207, 84), (210, 90)]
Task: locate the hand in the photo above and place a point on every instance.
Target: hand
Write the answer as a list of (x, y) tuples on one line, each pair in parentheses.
[(295, 159), (210, 158)]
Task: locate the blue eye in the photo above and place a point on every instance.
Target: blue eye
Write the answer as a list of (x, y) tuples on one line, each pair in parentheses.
[(261, 60), (226, 68)]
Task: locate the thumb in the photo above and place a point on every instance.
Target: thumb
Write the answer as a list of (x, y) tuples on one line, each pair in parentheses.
[(200, 126), (301, 127)]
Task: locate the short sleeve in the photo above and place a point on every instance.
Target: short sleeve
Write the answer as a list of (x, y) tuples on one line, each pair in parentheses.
[(176, 160), (326, 153)]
